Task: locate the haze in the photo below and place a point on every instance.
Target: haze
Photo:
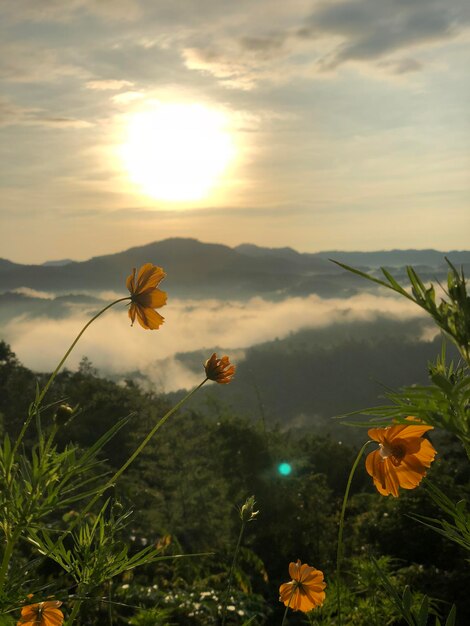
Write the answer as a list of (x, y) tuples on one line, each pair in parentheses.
[(333, 125)]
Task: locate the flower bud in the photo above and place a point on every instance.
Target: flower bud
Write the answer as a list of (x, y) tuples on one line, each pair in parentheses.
[(63, 413), (219, 370), (247, 512)]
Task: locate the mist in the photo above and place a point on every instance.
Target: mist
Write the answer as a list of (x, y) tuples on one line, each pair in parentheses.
[(117, 349)]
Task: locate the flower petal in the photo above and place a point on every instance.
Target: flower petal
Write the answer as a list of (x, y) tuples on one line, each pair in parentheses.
[(148, 318), (383, 474), (426, 453), (148, 278), (414, 466), (131, 313), (391, 479), (313, 598), (294, 570), (305, 571), (130, 282), (52, 617), (285, 592), (153, 299), (405, 431)]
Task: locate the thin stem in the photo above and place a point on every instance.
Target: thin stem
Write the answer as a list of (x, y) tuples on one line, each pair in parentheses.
[(467, 448), (135, 454), (6, 557), (117, 474), (285, 615), (75, 611), (340, 549), (232, 569), (72, 346), (288, 604), (110, 604), (37, 403)]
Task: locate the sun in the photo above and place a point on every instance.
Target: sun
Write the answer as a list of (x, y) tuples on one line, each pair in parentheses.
[(176, 151)]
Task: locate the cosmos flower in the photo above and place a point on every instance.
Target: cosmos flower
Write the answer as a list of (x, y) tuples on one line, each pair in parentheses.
[(145, 297), (219, 370), (305, 591), (402, 458), (42, 614)]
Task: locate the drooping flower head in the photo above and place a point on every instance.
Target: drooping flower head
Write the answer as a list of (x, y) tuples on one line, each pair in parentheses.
[(145, 297), (402, 458), (42, 614), (219, 370), (305, 591)]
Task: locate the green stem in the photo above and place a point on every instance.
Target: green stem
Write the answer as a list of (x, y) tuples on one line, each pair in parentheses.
[(37, 403), (75, 611), (6, 558), (339, 552), (110, 604), (230, 576), (135, 454), (467, 449), (288, 605)]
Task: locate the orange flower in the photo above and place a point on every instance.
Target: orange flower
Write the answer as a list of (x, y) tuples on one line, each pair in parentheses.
[(219, 370), (305, 591), (145, 297), (42, 614), (402, 458)]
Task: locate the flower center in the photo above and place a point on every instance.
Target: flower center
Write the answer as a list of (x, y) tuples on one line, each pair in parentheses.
[(395, 453)]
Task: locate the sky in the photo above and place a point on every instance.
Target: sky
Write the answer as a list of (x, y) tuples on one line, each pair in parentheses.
[(316, 125)]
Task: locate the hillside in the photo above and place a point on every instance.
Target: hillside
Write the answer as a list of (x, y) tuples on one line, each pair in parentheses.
[(196, 269)]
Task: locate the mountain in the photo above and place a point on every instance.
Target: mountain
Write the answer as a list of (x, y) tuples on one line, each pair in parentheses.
[(314, 374), (8, 266), (200, 270), (58, 262), (398, 258)]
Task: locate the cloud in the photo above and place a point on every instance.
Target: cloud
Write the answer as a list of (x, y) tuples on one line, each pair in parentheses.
[(12, 114), (60, 11), (128, 96), (369, 30), (33, 293), (402, 66), (23, 62), (241, 63), (59, 122), (116, 348), (109, 84)]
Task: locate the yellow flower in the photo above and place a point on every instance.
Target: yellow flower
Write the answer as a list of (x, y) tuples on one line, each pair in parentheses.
[(402, 458), (219, 370), (42, 614), (145, 297), (305, 591)]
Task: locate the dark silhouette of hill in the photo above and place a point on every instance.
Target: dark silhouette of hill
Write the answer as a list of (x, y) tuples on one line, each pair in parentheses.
[(196, 269), (193, 268), (8, 266), (57, 262), (315, 374), (398, 258)]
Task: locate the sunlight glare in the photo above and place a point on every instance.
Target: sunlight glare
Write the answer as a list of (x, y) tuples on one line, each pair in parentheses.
[(177, 152)]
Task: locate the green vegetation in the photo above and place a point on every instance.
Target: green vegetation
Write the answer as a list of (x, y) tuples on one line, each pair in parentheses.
[(168, 541)]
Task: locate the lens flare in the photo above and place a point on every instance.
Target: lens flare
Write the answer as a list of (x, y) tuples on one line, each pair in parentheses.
[(284, 468)]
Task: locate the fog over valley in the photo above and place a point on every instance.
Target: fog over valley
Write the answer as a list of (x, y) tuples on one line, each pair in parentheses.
[(311, 320)]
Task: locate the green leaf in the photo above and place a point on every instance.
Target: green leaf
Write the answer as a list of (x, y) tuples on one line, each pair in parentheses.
[(450, 621), (423, 612)]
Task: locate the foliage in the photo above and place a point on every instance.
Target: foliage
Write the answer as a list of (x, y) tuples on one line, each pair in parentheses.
[(96, 512)]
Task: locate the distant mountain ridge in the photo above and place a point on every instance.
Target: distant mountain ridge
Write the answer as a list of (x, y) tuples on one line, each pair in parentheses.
[(398, 258), (197, 269)]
